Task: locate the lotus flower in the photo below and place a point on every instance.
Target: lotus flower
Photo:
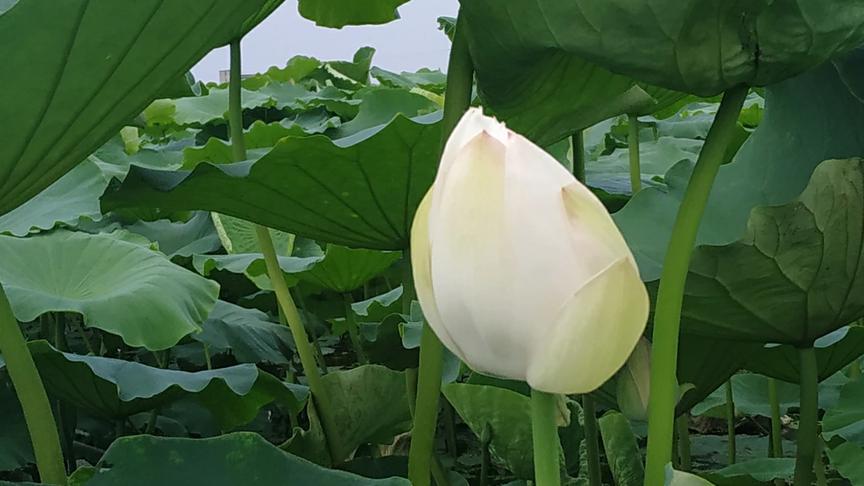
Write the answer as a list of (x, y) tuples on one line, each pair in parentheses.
[(519, 268)]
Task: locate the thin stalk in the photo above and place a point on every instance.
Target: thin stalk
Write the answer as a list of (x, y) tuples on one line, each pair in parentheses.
[(685, 462), (592, 440), (31, 394), (667, 317), (411, 386), (485, 456), (425, 407), (298, 331), (730, 422), (854, 370), (774, 402), (274, 272), (235, 107), (633, 151), (207, 359), (457, 99), (544, 434), (819, 464), (354, 331), (450, 430), (577, 144), (808, 419)]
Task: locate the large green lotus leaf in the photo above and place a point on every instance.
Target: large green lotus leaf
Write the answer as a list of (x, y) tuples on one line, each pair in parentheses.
[(754, 472), (345, 269), (426, 79), (750, 393), (118, 286), (361, 191), (76, 195), (87, 68), (622, 450), (773, 167), (697, 46), (339, 13), (507, 414), (846, 419), (705, 364), (259, 136), (73, 196), (247, 333), (833, 352), (239, 236), (227, 460), (612, 172), (370, 405), (114, 388), (848, 459), (15, 448), (797, 273), (182, 238), (380, 105), (537, 87), (198, 110)]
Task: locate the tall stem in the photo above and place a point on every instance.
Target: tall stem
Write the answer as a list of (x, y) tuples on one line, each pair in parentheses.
[(683, 424), (544, 434), (31, 394), (774, 402), (457, 99), (592, 440), (235, 106), (577, 144), (354, 331), (633, 149), (808, 420), (819, 464), (277, 278), (670, 296), (730, 422), (298, 332)]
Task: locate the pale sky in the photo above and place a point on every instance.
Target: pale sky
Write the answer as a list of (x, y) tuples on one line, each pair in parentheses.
[(406, 44)]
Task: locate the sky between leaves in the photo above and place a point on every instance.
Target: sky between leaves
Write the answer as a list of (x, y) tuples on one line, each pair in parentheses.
[(406, 44)]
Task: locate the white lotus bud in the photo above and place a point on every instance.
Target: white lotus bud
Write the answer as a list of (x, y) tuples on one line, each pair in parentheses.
[(519, 268)]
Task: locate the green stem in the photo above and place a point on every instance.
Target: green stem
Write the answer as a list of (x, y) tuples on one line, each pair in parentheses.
[(207, 359), (450, 430), (854, 370), (298, 331), (31, 394), (235, 107), (354, 331), (633, 149), (670, 296), (774, 402), (592, 440), (409, 293), (683, 425), (457, 99), (808, 419), (730, 422), (485, 457), (274, 272), (577, 144), (819, 464), (425, 407), (544, 434)]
